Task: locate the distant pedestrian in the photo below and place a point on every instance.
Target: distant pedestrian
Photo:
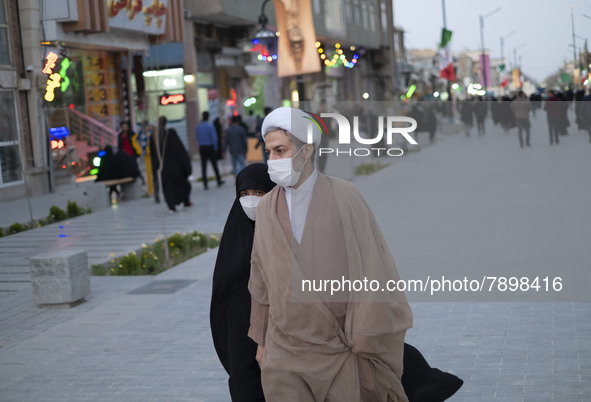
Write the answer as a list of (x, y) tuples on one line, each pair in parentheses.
[(480, 112), (236, 144), (261, 143), (207, 139), (587, 113), (116, 166), (562, 124), (521, 108), (128, 141), (536, 102), (109, 169), (506, 115), (219, 130), (553, 107), (466, 116), (173, 162), (251, 123)]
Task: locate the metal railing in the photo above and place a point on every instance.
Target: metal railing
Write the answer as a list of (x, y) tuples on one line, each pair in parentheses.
[(85, 132)]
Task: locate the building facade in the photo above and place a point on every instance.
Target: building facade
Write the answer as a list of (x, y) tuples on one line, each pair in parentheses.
[(67, 75)]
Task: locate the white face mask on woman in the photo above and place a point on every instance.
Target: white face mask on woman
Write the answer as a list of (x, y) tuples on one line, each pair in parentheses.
[(282, 172), (249, 205)]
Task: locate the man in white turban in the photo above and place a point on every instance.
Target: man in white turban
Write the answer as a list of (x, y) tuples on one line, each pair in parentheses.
[(320, 344)]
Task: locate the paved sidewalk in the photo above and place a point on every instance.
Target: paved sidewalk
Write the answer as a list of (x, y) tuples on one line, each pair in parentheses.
[(463, 205)]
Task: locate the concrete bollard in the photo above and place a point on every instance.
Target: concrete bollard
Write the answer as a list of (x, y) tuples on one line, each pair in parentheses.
[(60, 278)]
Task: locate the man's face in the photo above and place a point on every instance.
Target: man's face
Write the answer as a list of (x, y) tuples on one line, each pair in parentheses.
[(278, 145), (124, 127)]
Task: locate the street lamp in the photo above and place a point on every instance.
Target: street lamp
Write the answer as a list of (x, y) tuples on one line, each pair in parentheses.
[(482, 18), (503, 45), (515, 49), (264, 33)]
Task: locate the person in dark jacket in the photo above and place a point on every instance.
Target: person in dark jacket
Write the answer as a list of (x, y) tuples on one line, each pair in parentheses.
[(553, 110), (236, 144), (466, 116), (174, 164), (207, 138)]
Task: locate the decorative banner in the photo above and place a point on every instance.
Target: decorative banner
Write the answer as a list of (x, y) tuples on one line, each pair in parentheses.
[(296, 54), (516, 78), (485, 70)]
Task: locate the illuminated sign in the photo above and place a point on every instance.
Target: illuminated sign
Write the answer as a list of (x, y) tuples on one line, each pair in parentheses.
[(50, 63), (63, 70), (57, 144), (52, 83), (174, 99), (59, 132), (55, 79)]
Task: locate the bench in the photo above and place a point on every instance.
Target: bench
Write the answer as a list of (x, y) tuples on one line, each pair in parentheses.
[(130, 187), (60, 278)]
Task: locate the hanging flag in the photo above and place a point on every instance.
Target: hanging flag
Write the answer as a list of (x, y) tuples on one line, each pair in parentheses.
[(503, 80), (446, 65)]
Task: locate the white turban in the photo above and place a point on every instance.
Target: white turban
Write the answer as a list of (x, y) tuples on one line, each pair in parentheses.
[(295, 121)]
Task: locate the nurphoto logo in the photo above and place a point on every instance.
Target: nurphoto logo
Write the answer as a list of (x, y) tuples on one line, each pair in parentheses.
[(387, 126)]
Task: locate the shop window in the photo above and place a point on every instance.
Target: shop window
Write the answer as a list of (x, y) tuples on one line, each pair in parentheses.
[(4, 48), (10, 160)]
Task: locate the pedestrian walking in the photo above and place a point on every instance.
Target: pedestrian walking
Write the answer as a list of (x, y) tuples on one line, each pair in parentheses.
[(587, 113), (208, 146), (466, 116), (521, 108), (317, 329), (173, 162), (562, 122), (231, 301), (480, 112), (236, 144), (553, 108)]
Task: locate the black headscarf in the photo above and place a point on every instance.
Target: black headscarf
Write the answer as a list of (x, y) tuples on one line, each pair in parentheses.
[(230, 300)]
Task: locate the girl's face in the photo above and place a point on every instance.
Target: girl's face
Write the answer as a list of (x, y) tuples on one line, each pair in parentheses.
[(251, 192)]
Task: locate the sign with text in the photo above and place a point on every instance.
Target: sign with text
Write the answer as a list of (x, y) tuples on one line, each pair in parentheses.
[(147, 16)]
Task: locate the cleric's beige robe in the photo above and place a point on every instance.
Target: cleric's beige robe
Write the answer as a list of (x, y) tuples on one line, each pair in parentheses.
[(312, 353)]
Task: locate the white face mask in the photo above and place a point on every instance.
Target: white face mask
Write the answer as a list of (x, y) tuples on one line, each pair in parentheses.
[(249, 205), (282, 172)]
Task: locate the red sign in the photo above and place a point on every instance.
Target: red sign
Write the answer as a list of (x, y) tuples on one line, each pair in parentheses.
[(174, 99)]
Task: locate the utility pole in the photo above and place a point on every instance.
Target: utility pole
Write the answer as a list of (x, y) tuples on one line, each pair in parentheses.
[(572, 18), (482, 59), (450, 96)]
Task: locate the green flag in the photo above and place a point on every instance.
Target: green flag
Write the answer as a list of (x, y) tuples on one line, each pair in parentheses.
[(445, 37)]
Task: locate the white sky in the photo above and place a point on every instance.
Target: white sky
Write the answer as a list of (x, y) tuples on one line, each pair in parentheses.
[(543, 28)]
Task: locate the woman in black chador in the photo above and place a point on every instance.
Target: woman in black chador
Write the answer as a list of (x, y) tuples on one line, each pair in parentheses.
[(176, 167), (230, 300), (230, 306)]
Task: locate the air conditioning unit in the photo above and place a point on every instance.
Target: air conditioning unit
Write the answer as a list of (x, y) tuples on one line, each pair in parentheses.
[(60, 10)]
